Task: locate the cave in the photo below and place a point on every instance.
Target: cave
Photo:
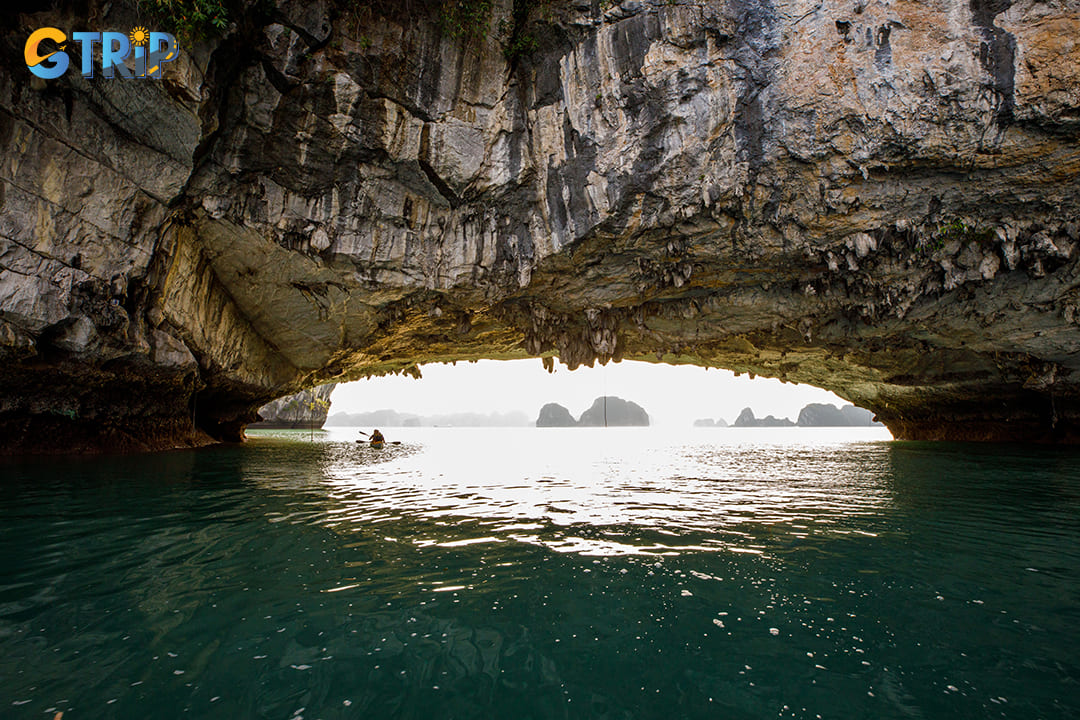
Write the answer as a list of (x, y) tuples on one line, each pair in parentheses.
[(322, 192)]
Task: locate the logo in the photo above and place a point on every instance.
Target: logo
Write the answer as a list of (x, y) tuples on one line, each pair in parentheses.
[(149, 51)]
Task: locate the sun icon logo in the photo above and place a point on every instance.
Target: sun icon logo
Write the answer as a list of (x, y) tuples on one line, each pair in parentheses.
[(139, 36)]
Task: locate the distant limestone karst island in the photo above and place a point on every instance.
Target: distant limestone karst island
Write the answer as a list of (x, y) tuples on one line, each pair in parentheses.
[(746, 419), (609, 411), (606, 411), (813, 415), (822, 415)]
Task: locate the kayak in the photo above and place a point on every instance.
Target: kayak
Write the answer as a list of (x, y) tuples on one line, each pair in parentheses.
[(377, 444)]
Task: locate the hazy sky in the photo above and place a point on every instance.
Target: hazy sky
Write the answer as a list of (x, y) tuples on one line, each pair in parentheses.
[(670, 394)]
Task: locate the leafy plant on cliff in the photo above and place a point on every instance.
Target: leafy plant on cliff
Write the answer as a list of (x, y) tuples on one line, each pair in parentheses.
[(466, 19), (520, 44), (471, 20), (189, 20), (955, 230), (520, 30), (317, 405)]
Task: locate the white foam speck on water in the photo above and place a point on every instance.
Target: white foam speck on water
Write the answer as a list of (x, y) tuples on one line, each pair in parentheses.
[(469, 541), (774, 631), (343, 587)]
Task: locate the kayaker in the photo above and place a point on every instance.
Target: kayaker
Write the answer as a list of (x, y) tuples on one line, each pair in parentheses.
[(377, 436)]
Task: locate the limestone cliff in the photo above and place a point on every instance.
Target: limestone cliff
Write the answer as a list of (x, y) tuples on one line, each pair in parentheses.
[(305, 409), (878, 198), (746, 419), (610, 411)]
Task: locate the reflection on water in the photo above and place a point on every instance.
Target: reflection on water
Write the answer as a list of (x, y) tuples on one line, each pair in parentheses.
[(596, 493), (524, 573)]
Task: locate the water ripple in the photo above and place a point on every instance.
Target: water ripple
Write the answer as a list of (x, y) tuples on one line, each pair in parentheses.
[(690, 487), (545, 574)]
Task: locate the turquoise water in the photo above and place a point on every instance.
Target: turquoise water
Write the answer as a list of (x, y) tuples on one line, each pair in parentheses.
[(521, 573)]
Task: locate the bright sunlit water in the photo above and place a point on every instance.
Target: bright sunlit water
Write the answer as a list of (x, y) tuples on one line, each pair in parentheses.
[(523, 573)]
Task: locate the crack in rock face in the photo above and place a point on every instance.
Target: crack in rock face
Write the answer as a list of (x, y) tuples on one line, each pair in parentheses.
[(879, 199)]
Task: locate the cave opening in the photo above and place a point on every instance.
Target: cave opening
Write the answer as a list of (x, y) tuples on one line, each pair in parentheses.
[(520, 393)]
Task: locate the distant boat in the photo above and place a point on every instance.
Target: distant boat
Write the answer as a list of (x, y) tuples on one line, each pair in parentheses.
[(377, 443)]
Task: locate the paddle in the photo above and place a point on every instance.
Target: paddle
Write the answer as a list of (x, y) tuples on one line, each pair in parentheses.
[(394, 442)]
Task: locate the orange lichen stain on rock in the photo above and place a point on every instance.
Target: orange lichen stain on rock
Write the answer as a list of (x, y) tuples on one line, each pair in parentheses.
[(1048, 63)]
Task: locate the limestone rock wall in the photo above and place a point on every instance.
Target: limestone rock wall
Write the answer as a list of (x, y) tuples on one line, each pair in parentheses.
[(879, 198), (305, 409)]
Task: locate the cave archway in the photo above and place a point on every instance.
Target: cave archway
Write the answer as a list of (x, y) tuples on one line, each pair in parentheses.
[(319, 196)]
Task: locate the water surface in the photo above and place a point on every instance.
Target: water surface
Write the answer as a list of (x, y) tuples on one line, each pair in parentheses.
[(712, 573)]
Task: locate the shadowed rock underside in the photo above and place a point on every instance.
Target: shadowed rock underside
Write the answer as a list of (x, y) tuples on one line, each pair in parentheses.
[(876, 198)]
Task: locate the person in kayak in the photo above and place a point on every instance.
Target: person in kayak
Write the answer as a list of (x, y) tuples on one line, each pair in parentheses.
[(377, 436)]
